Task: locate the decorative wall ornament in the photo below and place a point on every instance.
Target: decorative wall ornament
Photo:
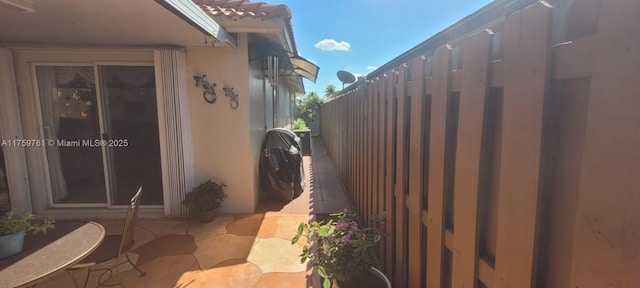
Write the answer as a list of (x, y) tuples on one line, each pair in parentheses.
[(233, 101), (209, 89)]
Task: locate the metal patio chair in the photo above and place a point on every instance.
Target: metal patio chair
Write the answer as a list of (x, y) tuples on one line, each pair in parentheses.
[(113, 247)]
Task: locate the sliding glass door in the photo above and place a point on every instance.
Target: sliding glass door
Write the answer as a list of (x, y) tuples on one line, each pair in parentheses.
[(101, 127), (133, 145)]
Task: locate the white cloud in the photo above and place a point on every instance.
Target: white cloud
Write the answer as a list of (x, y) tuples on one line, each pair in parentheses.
[(371, 68), (333, 45)]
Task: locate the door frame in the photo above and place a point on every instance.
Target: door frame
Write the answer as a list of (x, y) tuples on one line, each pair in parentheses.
[(107, 164), (11, 128), (33, 160)]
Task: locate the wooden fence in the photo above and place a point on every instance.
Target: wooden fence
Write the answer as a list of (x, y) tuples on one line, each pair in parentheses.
[(506, 155)]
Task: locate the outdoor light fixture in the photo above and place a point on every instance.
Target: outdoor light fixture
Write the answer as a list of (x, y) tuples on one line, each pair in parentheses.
[(209, 89)]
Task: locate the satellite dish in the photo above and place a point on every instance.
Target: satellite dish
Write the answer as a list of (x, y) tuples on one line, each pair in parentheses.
[(346, 77)]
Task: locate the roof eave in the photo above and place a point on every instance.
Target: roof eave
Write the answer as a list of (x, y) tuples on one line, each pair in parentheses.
[(275, 25), (193, 14)]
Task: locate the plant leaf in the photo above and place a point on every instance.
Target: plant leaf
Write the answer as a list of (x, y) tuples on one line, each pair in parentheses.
[(295, 239), (322, 272), (326, 283)]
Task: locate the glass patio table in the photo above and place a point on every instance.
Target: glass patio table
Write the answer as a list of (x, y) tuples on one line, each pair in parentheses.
[(46, 254)]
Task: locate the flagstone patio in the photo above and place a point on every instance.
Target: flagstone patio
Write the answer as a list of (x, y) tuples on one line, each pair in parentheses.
[(252, 250)]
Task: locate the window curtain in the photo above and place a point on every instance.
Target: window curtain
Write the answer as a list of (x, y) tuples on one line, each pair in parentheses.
[(49, 79), (175, 140)]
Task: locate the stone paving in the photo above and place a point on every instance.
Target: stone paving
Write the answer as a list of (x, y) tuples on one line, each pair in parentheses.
[(252, 250)]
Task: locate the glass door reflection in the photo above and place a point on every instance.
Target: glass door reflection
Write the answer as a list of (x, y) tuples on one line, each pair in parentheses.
[(69, 110), (131, 132)]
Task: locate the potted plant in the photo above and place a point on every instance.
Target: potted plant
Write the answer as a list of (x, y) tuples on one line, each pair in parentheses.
[(204, 199), (13, 228), (342, 250)]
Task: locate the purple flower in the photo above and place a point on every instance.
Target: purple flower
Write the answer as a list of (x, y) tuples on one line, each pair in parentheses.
[(354, 225), (342, 226), (345, 239)]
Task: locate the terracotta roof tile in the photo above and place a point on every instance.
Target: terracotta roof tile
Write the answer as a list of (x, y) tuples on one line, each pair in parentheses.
[(243, 8)]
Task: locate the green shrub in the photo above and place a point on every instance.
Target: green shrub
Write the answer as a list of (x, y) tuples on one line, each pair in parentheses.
[(207, 196), (299, 125), (340, 249)]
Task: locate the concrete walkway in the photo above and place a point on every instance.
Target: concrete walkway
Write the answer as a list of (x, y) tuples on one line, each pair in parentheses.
[(233, 251)]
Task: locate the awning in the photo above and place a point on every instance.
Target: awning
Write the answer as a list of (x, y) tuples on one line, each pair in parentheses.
[(303, 67), (289, 63)]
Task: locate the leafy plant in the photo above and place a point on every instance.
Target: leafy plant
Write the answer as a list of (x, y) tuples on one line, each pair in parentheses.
[(309, 107), (299, 125), (331, 91), (340, 249), (207, 196), (11, 223)]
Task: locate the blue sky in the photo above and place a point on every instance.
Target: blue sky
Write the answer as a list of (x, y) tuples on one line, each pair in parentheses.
[(361, 35)]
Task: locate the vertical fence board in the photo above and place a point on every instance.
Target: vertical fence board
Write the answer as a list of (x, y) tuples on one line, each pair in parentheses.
[(435, 210), (475, 73), (361, 152), (364, 155), (414, 252), (376, 148), (370, 187), (526, 53), (358, 151), (607, 233), (354, 149), (389, 167), (366, 101), (399, 183), (349, 152), (380, 157), (351, 148), (349, 161)]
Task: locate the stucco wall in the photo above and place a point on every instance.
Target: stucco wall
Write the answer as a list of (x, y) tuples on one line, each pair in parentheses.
[(222, 141)]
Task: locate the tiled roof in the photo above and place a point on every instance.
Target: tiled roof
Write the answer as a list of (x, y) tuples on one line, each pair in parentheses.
[(245, 8)]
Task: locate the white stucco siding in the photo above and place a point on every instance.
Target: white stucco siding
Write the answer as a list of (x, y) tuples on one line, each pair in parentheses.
[(223, 149)]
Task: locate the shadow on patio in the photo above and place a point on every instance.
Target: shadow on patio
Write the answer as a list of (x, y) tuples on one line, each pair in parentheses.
[(252, 250)]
